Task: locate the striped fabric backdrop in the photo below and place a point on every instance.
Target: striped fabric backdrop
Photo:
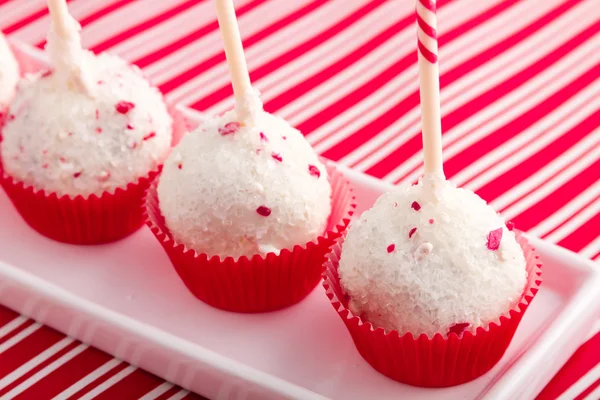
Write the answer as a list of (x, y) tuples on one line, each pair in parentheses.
[(521, 118)]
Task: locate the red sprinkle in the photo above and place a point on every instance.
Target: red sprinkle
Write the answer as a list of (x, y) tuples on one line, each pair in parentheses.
[(62, 159), (133, 145), (277, 156), (258, 151), (180, 165), (412, 232), (76, 174), (494, 238), (263, 137), (264, 211), (458, 328), (100, 82), (11, 117), (510, 225), (314, 171), (124, 107), (149, 136), (395, 204), (129, 126), (97, 114), (431, 221), (98, 130), (415, 206), (284, 137), (45, 166), (391, 248), (70, 133), (47, 73), (229, 128)]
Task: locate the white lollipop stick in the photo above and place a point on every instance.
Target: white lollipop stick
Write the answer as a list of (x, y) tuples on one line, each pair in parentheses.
[(64, 45), (245, 97), (429, 76)]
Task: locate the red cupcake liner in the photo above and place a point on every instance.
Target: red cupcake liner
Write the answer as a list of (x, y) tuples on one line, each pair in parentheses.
[(258, 284), (90, 220), (437, 361)]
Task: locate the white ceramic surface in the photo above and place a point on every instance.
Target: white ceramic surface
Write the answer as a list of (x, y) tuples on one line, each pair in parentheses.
[(126, 299)]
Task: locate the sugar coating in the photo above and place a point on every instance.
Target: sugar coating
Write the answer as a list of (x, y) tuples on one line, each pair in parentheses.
[(9, 73), (232, 190), (441, 274), (59, 139)]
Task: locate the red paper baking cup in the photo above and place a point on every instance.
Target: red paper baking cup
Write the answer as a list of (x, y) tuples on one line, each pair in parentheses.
[(439, 361), (260, 283), (80, 220)]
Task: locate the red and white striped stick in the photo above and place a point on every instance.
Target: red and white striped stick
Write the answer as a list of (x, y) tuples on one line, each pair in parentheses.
[(429, 77)]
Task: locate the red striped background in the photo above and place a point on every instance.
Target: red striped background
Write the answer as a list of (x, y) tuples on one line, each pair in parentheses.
[(520, 85)]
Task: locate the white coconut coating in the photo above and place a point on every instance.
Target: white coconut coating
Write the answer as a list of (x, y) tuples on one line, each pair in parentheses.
[(9, 73), (60, 139), (422, 261), (229, 189)]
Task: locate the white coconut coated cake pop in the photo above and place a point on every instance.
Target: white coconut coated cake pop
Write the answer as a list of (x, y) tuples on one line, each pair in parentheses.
[(61, 139), (229, 189), (9, 73), (431, 261)]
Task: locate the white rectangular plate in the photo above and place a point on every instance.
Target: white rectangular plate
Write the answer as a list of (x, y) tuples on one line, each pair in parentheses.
[(126, 299)]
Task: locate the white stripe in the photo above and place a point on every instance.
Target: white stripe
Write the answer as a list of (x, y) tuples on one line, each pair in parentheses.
[(529, 142), (595, 330), (480, 39), (583, 383), (365, 69), (593, 247), (159, 390), (108, 383), (179, 395), (272, 47), (319, 57), (554, 167), (546, 189), (126, 17), (12, 325), (566, 212), (11, 12), (41, 374), (507, 108), (19, 336), (86, 380), (37, 30), (34, 362), (594, 395), (211, 44), (574, 223)]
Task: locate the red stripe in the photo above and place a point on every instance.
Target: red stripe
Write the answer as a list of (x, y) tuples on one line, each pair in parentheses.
[(133, 386), (322, 76), (192, 37), (166, 395), (226, 91), (99, 381), (220, 57), (6, 315), (557, 199), (412, 146), (65, 376), (95, 16), (584, 359), (587, 391), (27, 20), (428, 4), (27, 348), (136, 30), (588, 231), (426, 28), (539, 160), (39, 367), (429, 56), (17, 330), (574, 215)]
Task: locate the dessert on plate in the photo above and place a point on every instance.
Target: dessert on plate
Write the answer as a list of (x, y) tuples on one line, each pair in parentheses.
[(81, 140), (243, 206), (430, 281), (9, 75)]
